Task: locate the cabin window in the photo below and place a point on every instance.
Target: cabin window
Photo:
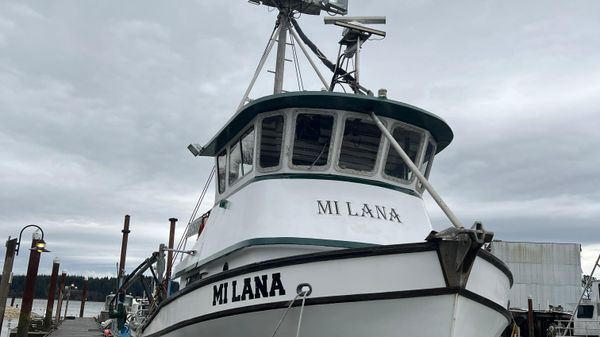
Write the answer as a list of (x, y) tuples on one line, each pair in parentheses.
[(241, 156), (410, 141), (221, 169), (271, 137), (312, 140), (360, 145), (427, 160), (426, 165), (585, 311)]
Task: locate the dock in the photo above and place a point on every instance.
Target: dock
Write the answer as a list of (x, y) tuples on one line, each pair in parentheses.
[(78, 327)]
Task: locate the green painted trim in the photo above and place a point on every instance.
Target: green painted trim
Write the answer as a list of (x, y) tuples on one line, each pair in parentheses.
[(333, 101), (274, 241)]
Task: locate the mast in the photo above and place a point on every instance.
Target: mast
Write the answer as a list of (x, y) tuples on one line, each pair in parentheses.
[(284, 22)]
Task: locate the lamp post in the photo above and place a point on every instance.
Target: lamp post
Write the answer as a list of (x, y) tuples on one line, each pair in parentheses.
[(68, 295), (38, 245)]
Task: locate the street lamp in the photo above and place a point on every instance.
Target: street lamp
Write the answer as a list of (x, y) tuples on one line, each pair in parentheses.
[(38, 246)]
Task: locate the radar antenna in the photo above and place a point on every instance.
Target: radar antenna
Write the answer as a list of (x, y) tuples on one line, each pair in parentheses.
[(354, 35)]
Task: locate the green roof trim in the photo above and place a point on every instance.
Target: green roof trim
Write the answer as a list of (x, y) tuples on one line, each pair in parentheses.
[(334, 101)]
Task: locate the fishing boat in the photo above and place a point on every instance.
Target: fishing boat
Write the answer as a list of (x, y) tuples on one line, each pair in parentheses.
[(319, 226)]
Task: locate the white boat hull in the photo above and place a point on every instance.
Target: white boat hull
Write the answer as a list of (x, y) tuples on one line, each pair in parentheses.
[(397, 290)]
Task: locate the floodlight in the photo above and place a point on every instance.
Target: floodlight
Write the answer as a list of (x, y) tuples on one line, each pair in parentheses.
[(195, 149)]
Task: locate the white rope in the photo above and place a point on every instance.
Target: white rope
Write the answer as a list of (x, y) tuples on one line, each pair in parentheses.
[(303, 294), (301, 312)]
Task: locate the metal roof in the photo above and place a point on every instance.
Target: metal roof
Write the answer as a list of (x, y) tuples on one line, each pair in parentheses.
[(440, 131)]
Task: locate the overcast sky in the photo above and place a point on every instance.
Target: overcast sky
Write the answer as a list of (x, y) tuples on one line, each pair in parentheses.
[(99, 99)]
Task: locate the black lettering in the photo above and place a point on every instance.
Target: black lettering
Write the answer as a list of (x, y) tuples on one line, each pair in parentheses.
[(350, 209), (394, 216), (234, 296), (247, 291), (218, 294), (380, 210), (367, 210), (326, 208), (260, 286), (225, 293), (276, 285)]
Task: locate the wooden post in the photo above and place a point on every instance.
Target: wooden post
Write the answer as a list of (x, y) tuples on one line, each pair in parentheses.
[(167, 284), (51, 291), (83, 296), (11, 245), (530, 322), (61, 287), (29, 292), (125, 232)]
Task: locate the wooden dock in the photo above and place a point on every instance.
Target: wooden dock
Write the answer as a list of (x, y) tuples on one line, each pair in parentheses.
[(78, 327)]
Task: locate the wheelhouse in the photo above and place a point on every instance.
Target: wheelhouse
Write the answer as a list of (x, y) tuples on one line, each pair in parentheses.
[(324, 135)]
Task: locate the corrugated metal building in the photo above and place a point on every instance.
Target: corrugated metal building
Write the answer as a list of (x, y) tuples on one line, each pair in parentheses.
[(548, 272)]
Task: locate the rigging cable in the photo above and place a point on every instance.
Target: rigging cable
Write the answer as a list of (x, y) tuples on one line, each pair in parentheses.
[(336, 70), (183, 239), (297, 65)]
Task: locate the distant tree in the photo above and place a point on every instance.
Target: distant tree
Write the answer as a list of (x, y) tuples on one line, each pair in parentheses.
[(98, 287)]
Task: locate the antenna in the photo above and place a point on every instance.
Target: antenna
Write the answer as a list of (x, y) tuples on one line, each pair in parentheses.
[(354, 35)]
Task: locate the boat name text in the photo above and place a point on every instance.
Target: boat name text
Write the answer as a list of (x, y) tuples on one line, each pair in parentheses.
[(249, 289), (333, 207)]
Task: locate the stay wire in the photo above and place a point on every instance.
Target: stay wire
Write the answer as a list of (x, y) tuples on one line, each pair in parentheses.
[(183, 239)]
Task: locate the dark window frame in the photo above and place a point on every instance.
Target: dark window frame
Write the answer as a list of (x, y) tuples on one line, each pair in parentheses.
[(389, 148), (587, 312), (223, 188), (338, 150), (259, 134), (238, 142), (429, 141), (332, 140)]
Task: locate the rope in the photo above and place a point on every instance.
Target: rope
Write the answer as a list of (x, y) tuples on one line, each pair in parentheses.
[(301, 312), (302, 293)]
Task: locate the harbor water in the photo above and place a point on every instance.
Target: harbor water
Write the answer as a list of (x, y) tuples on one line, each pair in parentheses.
[(11, 317)]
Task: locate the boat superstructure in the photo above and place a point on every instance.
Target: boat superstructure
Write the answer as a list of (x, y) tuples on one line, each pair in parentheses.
[(319, 224)]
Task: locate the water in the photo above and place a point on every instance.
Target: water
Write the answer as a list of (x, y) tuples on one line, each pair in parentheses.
[(92, 309)]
